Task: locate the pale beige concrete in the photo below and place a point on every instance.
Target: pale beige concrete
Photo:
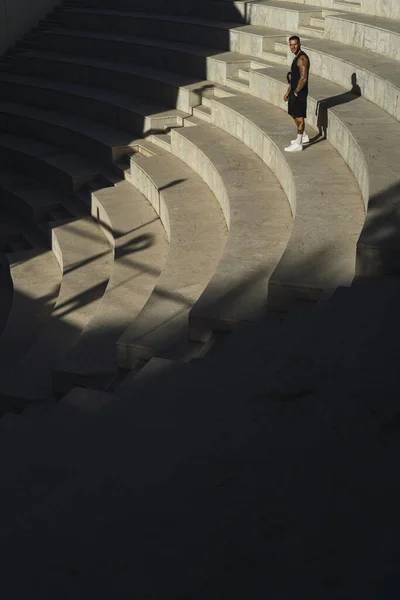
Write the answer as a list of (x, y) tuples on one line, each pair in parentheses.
[(86, 260), (325, 199), (140, 248), (366, 137), (259, 220), (197, 234)]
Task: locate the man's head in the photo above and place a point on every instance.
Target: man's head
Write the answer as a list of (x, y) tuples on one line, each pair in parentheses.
[(294, 43)]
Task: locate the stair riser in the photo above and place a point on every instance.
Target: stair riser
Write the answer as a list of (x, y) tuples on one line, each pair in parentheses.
[(165, 58), (150, 27), (111, 79), (57, 135), (42, 170), (280, 18), (228, 11), (378, 40), (89, 108)]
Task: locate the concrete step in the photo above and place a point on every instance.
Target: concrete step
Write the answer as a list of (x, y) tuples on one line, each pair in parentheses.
[(376, 34), (96, 141), (259, 221), (140, 247), (324, 197), (192, 60), (353, 7), (124, 112), (203, 113), (318, 23), (187, 29), (311, 31), (229, 11), (133, 81), (378, 77), (36, 281), (31, 199), (203, 62), (162, 140), (275, 57), (288, 16), (350, 122), (197, 235), (57, 166), (86, 261)]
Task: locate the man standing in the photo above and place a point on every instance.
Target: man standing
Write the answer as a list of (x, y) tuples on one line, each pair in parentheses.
[(297, 92)]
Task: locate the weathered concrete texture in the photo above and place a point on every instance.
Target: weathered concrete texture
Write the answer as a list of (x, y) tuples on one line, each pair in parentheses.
[(197, 234), (64, 169), (325, 199), (282, 15), (378, 35), (36, 280), (381, 8), (259, 220), (86, 261), (378, 77), (130, 114), (360, 132), (140, 247)]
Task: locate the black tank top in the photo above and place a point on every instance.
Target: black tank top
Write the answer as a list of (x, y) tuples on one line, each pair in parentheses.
[(295, 71)]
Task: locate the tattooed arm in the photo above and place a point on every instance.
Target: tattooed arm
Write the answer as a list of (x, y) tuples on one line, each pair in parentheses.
[(303, 65)]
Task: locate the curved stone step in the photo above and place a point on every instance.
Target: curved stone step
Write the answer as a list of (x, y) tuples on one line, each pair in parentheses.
[(377, 34), (187, 29), (197, 234), (144, 81), (96, 141), (52, 163), (36, 281), (231, 11), (366, 137), (30, 199), (140, 246), (193, 60), (325, 199), (122, 111), (86, 261), (258, 215)]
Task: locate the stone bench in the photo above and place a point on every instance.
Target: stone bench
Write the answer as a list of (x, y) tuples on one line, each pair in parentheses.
[(259, 220)]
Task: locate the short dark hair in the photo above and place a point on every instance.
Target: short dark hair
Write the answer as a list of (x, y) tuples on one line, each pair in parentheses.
[(294, 37)]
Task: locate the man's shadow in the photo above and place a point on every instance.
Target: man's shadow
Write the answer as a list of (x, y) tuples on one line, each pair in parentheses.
[(323, 105)]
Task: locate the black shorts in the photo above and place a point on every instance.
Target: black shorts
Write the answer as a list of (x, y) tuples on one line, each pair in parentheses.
[(297, 106)]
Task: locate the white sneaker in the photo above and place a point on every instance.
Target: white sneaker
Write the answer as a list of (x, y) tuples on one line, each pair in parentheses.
[(305, 140), (294, 147)]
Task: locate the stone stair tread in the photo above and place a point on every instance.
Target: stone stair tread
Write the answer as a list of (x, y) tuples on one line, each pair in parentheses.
[(366, 122), (105, 134), (259, 218), (139, 254), (150, 15), (134, 103), (382, 66), (36, 279), (329, 211), (201, 51), (86, 264), (197, 235), (69, 162), (120, 37), (373, 21), (185, 19), (129, 68)]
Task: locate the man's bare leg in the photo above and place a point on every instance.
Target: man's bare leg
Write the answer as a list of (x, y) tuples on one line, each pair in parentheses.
[(301, 125)]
